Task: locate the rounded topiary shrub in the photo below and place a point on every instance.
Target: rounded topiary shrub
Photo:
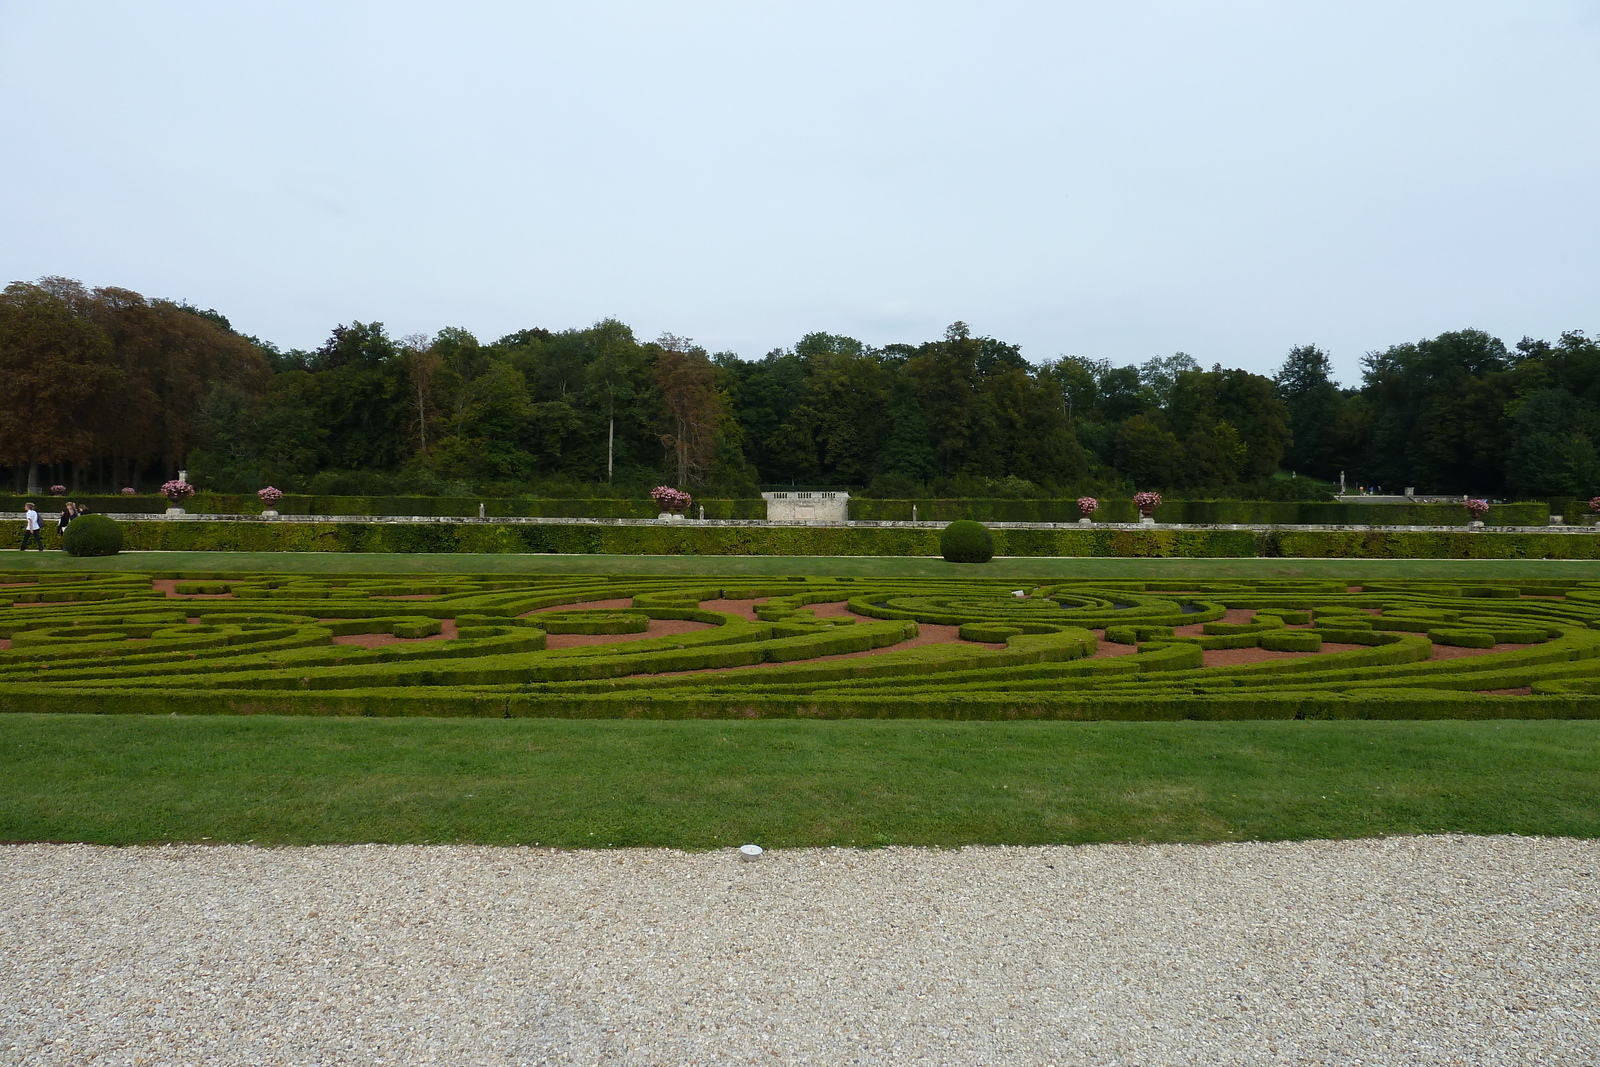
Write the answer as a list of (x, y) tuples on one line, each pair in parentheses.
[(965, 541), (92, 535)]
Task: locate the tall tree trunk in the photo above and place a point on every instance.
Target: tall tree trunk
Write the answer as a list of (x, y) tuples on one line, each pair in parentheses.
[(33, 478)]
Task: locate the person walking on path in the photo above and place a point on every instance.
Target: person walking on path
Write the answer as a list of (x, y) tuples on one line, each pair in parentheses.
[(31, 528), (68, 513)]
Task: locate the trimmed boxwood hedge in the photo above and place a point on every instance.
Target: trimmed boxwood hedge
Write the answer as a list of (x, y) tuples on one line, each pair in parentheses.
[(965, 541), (690, 539), (280, 643), (92, 535), (1061, 509)]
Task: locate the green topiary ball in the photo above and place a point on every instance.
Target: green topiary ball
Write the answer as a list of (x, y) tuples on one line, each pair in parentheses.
[(965, 541), (92, 535)]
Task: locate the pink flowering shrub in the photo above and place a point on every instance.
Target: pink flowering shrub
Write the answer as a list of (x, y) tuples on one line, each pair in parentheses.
[(1146, 502), (58, 490), (269, 496), (1594, 505), (128, 490), (1476, 508), (670, 499), (1087, 505), (176, 492)]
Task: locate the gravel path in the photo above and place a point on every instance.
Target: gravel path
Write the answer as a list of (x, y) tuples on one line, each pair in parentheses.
[(1443, 950)]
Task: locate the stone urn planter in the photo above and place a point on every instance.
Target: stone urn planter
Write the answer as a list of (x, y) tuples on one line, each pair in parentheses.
[(1147, 502), (269, 500), (176, 491), (1087, 506), (1477, 509), (672, 502)]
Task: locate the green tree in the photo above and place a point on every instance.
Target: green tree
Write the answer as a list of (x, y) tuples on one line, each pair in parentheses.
[(1306, 386)]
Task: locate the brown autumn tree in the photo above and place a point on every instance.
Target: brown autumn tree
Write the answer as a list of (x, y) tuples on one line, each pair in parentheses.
[(170, 359), (59, 370), (691, 407)]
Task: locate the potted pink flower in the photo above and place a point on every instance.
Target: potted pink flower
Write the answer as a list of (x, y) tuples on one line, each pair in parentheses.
[(1594, 507), (1477, 509), (128, 490), (1087, 506), (176, 491), (672, 502), (269, 501), (58, 490), (1147, 502)]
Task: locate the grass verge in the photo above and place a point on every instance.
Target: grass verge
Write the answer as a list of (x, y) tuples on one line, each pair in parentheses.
[(1003, 569), (136, 779)]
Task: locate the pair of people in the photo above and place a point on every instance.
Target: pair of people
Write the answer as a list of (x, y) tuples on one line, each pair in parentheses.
[(33, 530)]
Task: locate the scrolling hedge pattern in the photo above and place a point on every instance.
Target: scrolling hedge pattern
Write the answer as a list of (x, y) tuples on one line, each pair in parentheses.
[(595, 646)]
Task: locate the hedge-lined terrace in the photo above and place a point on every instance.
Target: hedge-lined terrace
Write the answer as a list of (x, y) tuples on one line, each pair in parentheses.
[(998, 509), (709, 539)]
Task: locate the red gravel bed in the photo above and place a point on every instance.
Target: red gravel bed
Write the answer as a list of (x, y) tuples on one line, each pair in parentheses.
[(447, 632), (1523, 691), (745, 609), (588, 605), (1233, 657), (169, 586), (1104, 648), (1457, 652), (658, 628)]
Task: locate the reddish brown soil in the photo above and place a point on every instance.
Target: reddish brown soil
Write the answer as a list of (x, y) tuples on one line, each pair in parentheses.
[(17, 585), (447, 632), (1457, 652), (1524, 691), (5, 642), (745, 609), (169, 586), (588, 605), (49, 604), (658, 628), (1233, 615), (1106, 648), (1233, 657), (1352, 589), (929, 634), (407, 596)]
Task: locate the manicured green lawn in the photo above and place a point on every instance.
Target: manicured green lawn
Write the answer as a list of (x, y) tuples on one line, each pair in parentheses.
[(844, 566), (128, 779)]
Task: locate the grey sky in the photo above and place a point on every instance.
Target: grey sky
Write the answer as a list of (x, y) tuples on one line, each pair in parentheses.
[(1113, 180)]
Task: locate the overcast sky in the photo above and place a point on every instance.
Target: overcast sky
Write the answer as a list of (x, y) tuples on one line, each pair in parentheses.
[(1113, 180)]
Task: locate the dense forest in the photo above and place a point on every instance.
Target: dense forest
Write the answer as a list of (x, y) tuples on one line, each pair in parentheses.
[(105, 388)]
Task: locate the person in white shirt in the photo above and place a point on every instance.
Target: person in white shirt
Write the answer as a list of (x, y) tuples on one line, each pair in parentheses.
[(30, 528)]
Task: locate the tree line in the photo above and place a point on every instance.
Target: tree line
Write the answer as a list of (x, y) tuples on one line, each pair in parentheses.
[(111, 389)]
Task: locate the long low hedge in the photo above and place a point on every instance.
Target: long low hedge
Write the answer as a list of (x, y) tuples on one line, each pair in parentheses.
[(690, 539), (432, 506), (1065, 509), (1206, 512)]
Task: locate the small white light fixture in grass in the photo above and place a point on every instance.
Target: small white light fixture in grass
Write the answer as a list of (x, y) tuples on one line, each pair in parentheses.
[(749, 852)]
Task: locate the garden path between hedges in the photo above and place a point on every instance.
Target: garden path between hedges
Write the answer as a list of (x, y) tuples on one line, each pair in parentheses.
[(1399, 951), (929, 633)]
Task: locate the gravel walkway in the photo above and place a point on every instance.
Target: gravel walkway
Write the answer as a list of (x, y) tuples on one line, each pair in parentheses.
[(1444, 950)]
